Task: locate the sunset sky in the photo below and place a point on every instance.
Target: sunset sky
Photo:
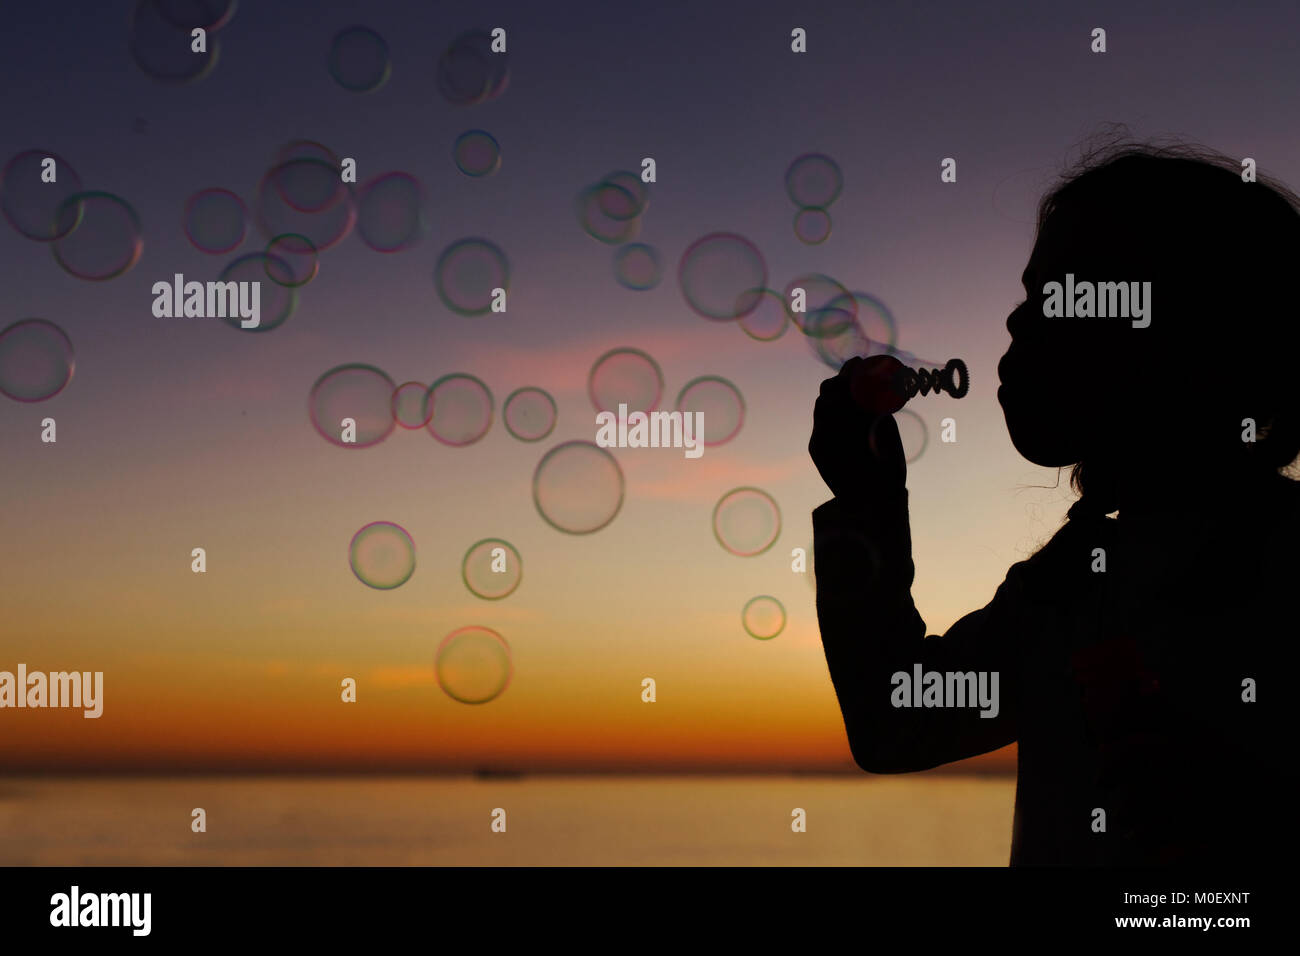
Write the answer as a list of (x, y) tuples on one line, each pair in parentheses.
[(182, 433)]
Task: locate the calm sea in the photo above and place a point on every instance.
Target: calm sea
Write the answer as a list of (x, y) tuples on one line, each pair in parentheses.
[(564, 820)]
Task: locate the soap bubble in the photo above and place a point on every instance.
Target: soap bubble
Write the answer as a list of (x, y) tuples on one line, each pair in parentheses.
[(746, 521), (590, 207), (215, 220), (768, 320), (33, 207), (763, 617), (276, 302), (36, 361), (469, 72), (578, 487), (106, 241), (625, 376), (362, 393), (391, 212), (410, 410), (473, 665), (477, 153), (163, 50), (819, 292), (721, 403), (291, 260), (382, 555), (529, 414), (637, 266), (461, 409), (358, 60), (814, 179), (812, 225), (492, 569), (467, 272), (721, 276)]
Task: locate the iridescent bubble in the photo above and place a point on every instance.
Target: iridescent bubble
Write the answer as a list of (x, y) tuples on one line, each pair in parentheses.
[(358, 60), (466, 274), (391, 212), (469, 72), (209, 15), (460, 408), (637, 266), (819, 291), (590, 208), (473, 665), (872, 322), (721, 275), (746, 521), (215, 220), (291, 260), (814, 179), (382, 555), (492, 569), (276, 302), (913, 432), (836, 349), (163, 50), (31, 206), (529, 414), (625, 376), (611, 202), (477, 153), (812, 225), (106, 241), (578, 487), (721, 403), (36, 361), (763, 617), (361, 393), (769, 319), (410, 410), (305, 197)]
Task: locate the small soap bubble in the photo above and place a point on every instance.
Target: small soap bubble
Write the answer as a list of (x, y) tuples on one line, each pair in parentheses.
[(358, 60), (746, 521), (913, 432), (814, 179), (36, 360), (590, 207), (721, 274), (276, 302), (460, 409), (812, 225), (578, 487), (473, 665), (529, 414), (477, 153), (625, 376), (410, 410), (763, 617), (469, 72), (291, 260), (382, 555), (391, 212), (492, 569), (362, 393), (305, 197), (33, 207), (819, 292), (721, 403), (215, 221), (637, 266), (769, 319), (106, 241), (467, 272), (163, 50)]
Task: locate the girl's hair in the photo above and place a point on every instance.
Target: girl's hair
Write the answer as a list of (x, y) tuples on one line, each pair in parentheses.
[(1237, 244)]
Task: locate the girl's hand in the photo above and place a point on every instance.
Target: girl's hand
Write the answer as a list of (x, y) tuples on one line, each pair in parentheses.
[(858, 452)]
